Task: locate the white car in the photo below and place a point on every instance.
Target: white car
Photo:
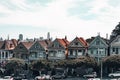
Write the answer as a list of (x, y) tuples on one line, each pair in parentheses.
[(94, 79), (7, 78), (115, 74), (43, 77), (91, 75)]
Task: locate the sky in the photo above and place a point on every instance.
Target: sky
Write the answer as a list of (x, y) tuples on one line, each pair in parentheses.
[(71, 18)]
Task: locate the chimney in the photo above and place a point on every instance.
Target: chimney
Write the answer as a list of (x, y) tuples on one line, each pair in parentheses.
[(48, 35), (65, 37), (107, 36)]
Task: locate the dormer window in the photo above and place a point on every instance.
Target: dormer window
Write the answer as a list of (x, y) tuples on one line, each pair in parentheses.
[(36, 46), (97, 42), (60, 45), (118, 39), (21, 47), (52, 45), (11, 45), (76, 43)]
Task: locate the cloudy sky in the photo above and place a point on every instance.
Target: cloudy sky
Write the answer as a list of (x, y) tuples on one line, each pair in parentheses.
[(34, 18)]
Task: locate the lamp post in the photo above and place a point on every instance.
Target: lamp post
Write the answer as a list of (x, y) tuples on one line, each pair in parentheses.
[(101, 69), (100, 61)]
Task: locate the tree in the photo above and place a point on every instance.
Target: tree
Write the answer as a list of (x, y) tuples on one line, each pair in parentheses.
[(14, 65), (87, 61), (115, 32), (73, 63), (112, 62), (37, 65), (40, 64)]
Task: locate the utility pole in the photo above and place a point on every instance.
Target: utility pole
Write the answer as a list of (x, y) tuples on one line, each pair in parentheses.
[(100, 62), (101, 67)]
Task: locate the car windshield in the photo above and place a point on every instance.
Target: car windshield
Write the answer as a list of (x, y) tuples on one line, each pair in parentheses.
[(7, 77), (60, 70), (117, 72)]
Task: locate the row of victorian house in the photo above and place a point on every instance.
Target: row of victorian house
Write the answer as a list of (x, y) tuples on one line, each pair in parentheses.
[(59, 49)]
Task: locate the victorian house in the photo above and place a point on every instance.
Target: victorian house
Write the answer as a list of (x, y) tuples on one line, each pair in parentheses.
[(115, 46), (98, 47), (6, 49), (39, 50), (77, 48), (22, 50), (58, 50)]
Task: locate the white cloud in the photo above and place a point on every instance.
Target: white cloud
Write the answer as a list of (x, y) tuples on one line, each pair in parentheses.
[(55, 16)]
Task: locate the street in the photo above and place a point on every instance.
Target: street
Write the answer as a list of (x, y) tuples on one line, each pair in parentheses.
[(78, 78)]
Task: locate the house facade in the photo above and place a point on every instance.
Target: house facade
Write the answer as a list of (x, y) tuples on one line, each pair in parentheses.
[(115, 46), (77, 48), (22, 50), (39, 50), (98, 48), (6, 49), (58, 50)]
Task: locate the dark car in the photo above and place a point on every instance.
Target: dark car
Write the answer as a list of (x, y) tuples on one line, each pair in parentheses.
[(60, 73), (19, 77)]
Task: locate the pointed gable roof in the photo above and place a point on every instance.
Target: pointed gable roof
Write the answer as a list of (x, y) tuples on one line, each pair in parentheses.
[(116, 42), (9, 44), (63, 42), (1, 44), (27, 44), (80, 40), (84, 43), (44, 43), (104, 41)]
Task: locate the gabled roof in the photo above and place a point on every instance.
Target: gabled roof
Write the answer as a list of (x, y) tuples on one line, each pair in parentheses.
[(44, 43), (103, 40), (84, 43), (1, 44), (116, 42), (89, 40), (8, 44), (63, 42), (27, 44)]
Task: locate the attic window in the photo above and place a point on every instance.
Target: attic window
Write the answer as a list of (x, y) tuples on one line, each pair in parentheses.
[(36, 46), (119, 40), (76, 43), (60, 46), (11, 45), (98, 42), (53, 45), (21, 47)]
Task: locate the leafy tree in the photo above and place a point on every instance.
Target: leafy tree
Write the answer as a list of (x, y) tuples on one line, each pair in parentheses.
[(14, 65), (112, 62), (40, 64), (37, 65), (83, 60), (87, 61), (115, 32)]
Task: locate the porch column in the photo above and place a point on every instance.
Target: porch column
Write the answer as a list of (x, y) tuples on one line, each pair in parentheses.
[(1, 56), (4, 54)]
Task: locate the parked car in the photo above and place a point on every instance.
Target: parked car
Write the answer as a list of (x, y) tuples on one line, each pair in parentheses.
[(7, 78), (90, 75), (43, 77), (60, 73), (94, 79), (115, 74)]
